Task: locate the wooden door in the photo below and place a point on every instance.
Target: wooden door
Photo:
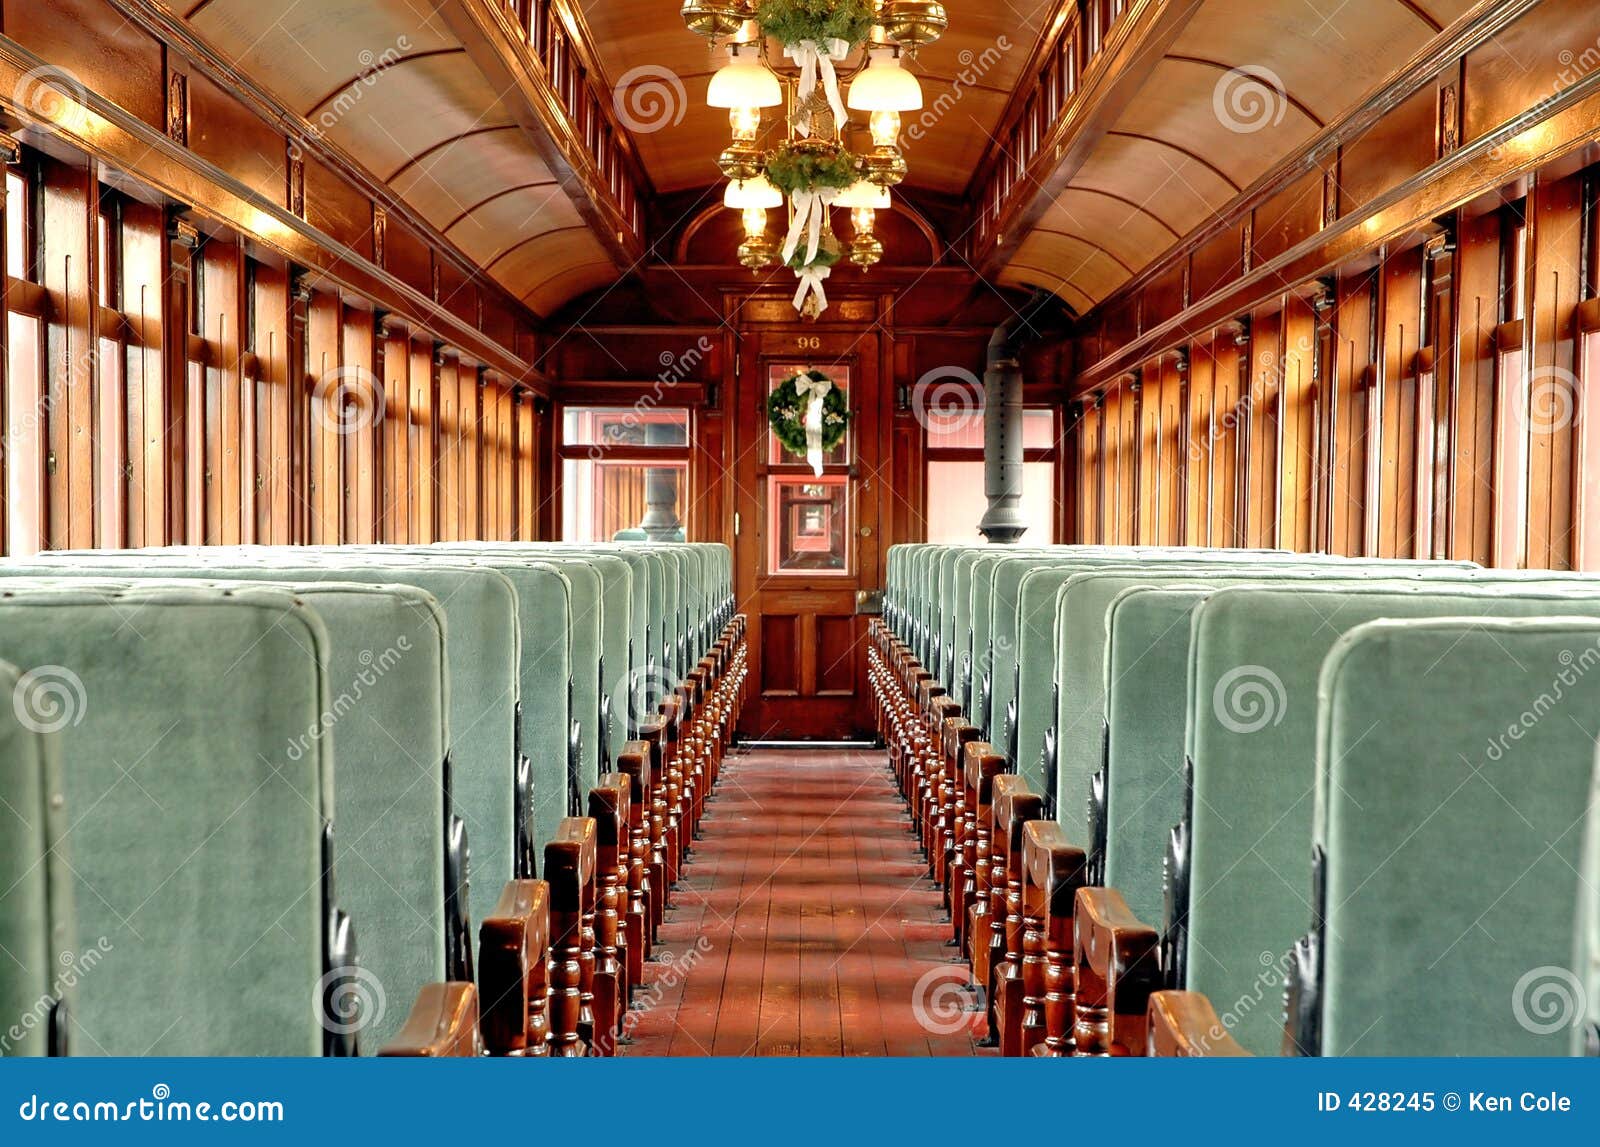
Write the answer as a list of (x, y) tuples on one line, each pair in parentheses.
[(806, 545)]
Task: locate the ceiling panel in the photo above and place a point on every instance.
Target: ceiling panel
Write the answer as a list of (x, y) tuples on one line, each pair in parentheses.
[(1245, 84), (660, 70), (387, 83)]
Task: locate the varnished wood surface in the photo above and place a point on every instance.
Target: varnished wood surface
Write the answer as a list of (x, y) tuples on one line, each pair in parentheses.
[(803, 924)]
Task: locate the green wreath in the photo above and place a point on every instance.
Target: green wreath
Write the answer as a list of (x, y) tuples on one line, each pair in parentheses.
[(786, 413), (810, 164), (791, 21)]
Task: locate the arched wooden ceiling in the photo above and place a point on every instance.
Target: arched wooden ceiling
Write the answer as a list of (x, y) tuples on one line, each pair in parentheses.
[(1244, 84), (1241, 86), (389, 84)]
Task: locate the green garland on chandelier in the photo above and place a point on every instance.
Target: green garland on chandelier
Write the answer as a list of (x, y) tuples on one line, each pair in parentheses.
[(791, 21), (808, 164), (828, 253), (786, 413)]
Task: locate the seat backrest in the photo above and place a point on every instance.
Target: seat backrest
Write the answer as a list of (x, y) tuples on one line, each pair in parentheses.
[(36, 924), (1455, 766), (196, 835), (1083, 609), (482, 643), (1255, 656)]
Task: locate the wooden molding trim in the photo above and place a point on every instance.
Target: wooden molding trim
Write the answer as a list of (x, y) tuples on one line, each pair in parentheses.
[(111, 135), (1562, 126), (303, 139), (502, 54), (1477, 27)]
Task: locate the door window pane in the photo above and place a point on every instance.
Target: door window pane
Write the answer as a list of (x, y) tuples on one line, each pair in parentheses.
[(776, 453), (808, 522)]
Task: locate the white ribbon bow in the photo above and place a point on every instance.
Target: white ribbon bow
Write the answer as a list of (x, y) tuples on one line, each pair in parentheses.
[(811, 283), (814, 60), (813, 391), (810, 212)]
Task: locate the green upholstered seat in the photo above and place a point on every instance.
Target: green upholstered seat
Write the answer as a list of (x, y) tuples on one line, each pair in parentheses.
[(386, 715), (195, 834), (1083, 608), (1255, 655), (36, 924), (1455, 763), (481, 642)]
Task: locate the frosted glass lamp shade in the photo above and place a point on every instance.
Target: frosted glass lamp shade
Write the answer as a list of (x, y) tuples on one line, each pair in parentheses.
[(863, 194), (757, 192), (743, 83), (884, 86)]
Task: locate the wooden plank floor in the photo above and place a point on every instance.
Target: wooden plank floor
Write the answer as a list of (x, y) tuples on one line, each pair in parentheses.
[(804, 923)]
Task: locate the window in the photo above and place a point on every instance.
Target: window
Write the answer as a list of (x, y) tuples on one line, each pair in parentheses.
[(624, 473), (955, 496)]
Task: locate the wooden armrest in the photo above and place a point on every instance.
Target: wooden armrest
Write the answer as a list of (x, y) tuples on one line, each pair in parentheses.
[(1053, 866), (443, 1022), (1185, 1024), (634, 761), (513, 945), (982, 762), (1117, 971)]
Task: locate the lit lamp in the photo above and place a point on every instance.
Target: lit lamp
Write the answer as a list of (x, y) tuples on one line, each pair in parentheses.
[(743, 83), (757, 192), (758, 249), (741, 159), (864, 200), (885, 89)]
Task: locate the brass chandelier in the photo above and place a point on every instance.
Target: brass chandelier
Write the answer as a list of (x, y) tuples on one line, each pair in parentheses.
[(835, 57)]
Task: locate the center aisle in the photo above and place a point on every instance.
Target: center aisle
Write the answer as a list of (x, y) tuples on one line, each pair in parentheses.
[(804, 924)]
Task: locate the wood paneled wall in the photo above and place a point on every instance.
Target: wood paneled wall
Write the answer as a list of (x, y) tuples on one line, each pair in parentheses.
[(1439, 399), (1385, 347), (173, 383)]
